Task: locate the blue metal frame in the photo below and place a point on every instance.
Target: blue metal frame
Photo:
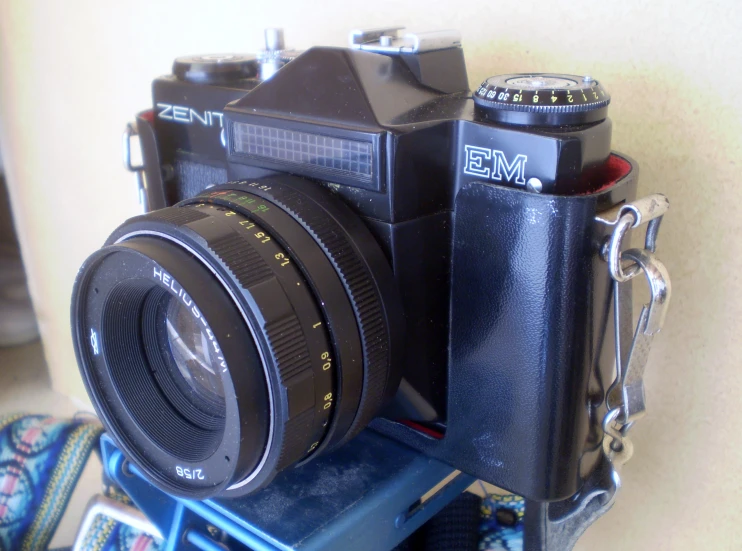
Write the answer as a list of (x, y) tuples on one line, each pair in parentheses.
[(366, 496)]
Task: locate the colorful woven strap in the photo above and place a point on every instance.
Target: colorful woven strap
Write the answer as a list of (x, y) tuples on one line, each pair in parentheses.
[(106, 534), (502, 523), (41, 460)]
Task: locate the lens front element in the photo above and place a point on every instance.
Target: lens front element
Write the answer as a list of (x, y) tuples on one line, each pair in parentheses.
[(193, 352)]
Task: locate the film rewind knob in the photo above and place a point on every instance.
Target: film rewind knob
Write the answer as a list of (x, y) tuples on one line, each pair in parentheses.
[(215, 68)]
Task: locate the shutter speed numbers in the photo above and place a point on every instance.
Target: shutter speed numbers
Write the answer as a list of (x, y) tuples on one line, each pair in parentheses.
[(544, 99), (542, 89)]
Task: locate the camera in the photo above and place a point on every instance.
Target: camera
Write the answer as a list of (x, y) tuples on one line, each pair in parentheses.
[(343, 238)]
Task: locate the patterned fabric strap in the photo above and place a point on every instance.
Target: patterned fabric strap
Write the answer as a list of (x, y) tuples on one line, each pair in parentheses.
[(41, 460), (106, 534), (502, 523)]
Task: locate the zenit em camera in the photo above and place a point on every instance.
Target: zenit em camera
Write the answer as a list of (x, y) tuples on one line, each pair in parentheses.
[(343, 238)]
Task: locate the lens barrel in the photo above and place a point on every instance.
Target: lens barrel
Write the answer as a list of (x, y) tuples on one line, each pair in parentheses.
[(238, 333)]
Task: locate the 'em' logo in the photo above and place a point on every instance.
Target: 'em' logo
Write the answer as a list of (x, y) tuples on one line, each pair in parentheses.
[(492, 164)]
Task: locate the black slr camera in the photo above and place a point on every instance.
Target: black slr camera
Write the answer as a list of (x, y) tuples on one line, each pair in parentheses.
[(349, 237)]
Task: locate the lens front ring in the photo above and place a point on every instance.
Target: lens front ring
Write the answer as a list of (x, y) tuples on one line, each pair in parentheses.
[(113, 354), (272, 322)]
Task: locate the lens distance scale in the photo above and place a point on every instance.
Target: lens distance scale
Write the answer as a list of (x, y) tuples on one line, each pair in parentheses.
[(542, 99), (286, 337)]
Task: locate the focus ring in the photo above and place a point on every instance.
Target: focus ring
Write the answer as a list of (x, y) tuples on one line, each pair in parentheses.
[(286, 341), (245, 263), (292, 361), (289, 346), (285, 337), (357, 280)]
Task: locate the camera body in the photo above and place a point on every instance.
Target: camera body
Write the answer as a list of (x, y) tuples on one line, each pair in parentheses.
[(485, 212)]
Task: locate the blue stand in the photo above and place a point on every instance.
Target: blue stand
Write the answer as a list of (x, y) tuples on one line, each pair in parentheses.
[(369, 495)]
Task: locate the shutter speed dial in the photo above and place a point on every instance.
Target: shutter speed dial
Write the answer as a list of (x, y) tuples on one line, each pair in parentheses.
[(542, 99)]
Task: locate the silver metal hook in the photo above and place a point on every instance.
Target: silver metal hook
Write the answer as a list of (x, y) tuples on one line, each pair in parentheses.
[(647, 210)]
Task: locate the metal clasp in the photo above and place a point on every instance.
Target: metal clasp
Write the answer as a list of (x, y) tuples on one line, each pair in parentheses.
[(625, 398), (649, 209), (627, 393)]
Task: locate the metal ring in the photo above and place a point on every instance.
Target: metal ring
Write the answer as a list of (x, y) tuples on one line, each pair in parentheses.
[(610, 417), (653, 228), (625, 223), (129, 133)]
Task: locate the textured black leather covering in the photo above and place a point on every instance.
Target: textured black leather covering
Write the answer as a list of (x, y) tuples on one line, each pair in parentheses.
[(531, 339)]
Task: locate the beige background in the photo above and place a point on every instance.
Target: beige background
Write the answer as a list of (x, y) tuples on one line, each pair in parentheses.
[(73, 73)]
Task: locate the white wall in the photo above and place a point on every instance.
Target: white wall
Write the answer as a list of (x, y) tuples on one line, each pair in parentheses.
[(73, 73)]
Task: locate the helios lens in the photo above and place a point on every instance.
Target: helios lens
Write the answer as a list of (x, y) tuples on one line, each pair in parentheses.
[(236, 334)]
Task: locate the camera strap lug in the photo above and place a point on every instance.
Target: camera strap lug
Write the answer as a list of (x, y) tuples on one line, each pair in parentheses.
[(138, 169), (647, 210)]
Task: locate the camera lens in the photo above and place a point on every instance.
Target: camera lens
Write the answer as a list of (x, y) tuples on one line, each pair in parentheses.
[(192, 353), (236, 334)]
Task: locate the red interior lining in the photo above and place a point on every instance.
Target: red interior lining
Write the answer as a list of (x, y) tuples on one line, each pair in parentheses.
[(607, 175), (421, 428)]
